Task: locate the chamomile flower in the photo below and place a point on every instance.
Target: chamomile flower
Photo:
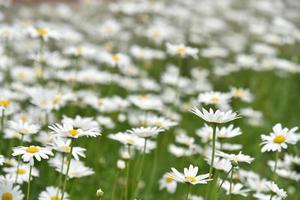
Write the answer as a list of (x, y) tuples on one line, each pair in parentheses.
[(10, 192), (214, 98), (218, 116), (168, 182), (278, 139), (23, 127), (52, 193), (146, 132), (189, 176), (21, 173), (64, 146), (228, 132), (236, 188), (235, 159), (32, 152), (276, 190), (182, 50), (243, 94), (75, 128)]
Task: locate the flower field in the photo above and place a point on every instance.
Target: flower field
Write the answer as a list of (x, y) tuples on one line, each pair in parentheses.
[(144, 99)]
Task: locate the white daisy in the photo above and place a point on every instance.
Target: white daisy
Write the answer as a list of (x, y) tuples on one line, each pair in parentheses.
[(52, 193), (215, 117), (29, 153), (189, 176), (167, 182)]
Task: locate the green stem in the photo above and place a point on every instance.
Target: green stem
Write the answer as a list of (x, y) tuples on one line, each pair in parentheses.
[(28, 186), (227, 174), (67, 172), (230, 185), (60, 174), (188, 192), (140, 169), (127, 179), (2, 121), (19, 160), (213, 151), (114, 187), (275, 166)]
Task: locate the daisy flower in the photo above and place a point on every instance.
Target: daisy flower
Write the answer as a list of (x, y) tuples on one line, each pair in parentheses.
[(146, 132), (167, 182), (21, 173), (218, 116), (23, 127), (64, 146), (189, 176), (278, 139), (276, 190), (235, 159), (214, 98), (29, 153), (10, 192), (228, 132), (182, 50), (52, 193), (76, 128), (236, 188)]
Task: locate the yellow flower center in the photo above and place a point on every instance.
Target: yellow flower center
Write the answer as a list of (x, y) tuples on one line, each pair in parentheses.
[(239, 93), (143, 97), (42, 32), (279, 139), (169, 179), (156, 34), (191, 179), (116, 57), (215, 100), (32, 149), (73, 132), (21, 76), (130, 141), (100, 101), (181, 50), (24, 130), (24, 118), (4, 103), (66, 148), (79, 50), (21, 171), (7, 196), (55, 198), (56, 100)]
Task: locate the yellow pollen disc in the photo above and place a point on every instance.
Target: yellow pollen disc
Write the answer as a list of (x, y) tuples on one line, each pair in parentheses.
[(279, 139), (191, 179), (169, 179), (21, 171), (239, 93), (79, 50), (7, 196), (55, 198), (24, 118), (24, 130), (181, 50), (4, 103), (116, 57), (21, 76), (73, 132), (215, 100), (130, 141), (156, 34), (143, 97), (56, 100), (100, 101), (42, 32), (67, 148), (32, 149)]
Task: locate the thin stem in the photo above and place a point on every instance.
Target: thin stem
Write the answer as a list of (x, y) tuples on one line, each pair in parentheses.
[(127, 179), (230, 185), (140, 168), (227, 174), (213, 151), (271, 197), (114, 187), (60, 174), (188, 192), (2, 120), (275, 166), (19, 160), (67, 172), (28, 186)]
